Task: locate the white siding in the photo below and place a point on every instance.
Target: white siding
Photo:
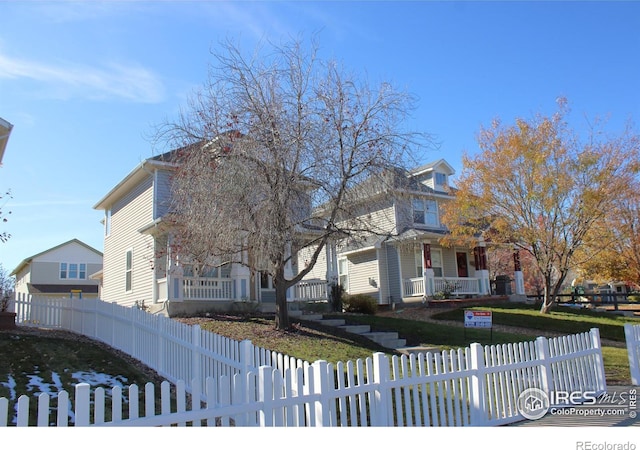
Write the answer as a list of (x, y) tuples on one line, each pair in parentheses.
[(449, 263), (162, 193), (22, 278), (382, 219), (128, 215), (363, 270), (72, 252), (319, 270)]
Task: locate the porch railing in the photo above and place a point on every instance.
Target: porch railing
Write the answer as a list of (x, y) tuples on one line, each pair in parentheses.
[(457, 285), (414, 287), (222, 289), (309, 290), (207, 288)]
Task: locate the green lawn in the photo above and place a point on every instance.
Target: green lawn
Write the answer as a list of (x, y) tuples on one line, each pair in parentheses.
[(562, 320)]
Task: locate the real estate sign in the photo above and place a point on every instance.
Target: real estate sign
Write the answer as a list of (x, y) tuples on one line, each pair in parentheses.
[(477, 319)]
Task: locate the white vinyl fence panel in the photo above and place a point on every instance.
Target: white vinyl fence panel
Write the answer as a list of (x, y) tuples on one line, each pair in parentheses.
[(236, 384), (632, 336)]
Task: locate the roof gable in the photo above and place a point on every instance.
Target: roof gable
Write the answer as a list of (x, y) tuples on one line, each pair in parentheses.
[(30, 259), (440, 165)]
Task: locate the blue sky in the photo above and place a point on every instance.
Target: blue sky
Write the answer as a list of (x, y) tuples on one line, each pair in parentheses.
[(84, 83)]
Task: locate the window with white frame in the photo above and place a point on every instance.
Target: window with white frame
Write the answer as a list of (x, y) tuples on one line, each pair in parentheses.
[(73, 271), (425, 212), (343, 273), (128, 271), (441, 179), (436, 262)]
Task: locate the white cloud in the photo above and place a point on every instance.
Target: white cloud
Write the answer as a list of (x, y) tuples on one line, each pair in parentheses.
[(113, 80)]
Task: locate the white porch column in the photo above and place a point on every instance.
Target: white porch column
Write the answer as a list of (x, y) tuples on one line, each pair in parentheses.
[(517, 273), (427, 270), (480, 255), (174, 275), (332, 262)]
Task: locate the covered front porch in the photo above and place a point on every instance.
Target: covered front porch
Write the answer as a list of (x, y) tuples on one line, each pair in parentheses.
[(429, 270), (184, 286)]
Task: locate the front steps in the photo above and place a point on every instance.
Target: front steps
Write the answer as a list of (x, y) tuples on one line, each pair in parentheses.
[(387, 339)]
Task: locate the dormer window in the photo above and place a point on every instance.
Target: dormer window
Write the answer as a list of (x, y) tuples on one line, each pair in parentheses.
[(441, 179), (425, 212)]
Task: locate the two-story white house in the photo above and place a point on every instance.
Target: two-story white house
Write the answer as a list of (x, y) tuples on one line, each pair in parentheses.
[(410, 263), (61, 271), (144, 264)]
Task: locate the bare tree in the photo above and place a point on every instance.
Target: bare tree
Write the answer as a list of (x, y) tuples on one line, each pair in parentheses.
[(4, 236), (6, 283), (276, 153)]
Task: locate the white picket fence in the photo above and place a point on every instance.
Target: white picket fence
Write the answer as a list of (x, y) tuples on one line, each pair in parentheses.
[(475, 386), (175, 350), (632, 337)]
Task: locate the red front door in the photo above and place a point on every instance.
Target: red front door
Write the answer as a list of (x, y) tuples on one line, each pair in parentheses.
[(463, 269)]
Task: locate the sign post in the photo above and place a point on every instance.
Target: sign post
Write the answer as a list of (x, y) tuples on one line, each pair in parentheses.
[(478, 319)]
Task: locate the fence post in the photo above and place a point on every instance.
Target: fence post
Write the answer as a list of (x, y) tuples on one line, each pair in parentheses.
[(196, 351), (478, 400), (544, 354), (247, 364), (632, 336), (321, 388), (594, 334), (381, 407), (82, 408)]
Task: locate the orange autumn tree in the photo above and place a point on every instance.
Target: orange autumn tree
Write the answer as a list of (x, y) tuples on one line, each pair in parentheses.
[(536, 185), (618, 239)]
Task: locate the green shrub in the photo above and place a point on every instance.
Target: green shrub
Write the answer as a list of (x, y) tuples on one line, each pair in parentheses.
[(634, 297), (360, 303)]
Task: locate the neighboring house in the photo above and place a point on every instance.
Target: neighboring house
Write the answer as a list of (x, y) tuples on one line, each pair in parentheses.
[(409, 264), (62, 271)]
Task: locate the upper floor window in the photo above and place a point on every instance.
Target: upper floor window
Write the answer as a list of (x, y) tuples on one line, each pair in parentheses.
[(73, 271), (343, 273), (425, 212)]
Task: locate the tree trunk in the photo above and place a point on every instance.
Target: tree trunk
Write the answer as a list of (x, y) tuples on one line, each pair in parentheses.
[(546, 305), (282, 310), (549, 298)]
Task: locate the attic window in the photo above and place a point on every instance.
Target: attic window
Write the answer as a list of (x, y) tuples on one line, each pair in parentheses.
[(441, 179)]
